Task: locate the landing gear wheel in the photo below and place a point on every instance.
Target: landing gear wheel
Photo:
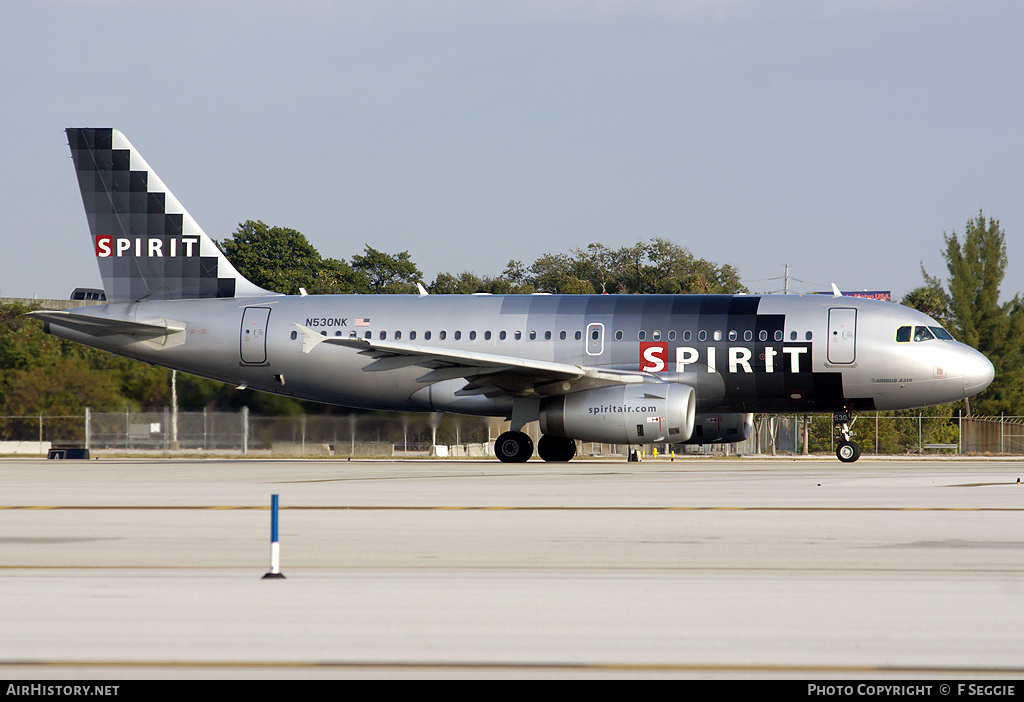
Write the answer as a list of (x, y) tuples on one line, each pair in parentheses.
[(556, 448), (848, 451), (513, 447)]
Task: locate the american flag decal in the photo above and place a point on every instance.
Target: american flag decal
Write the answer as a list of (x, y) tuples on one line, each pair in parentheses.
[(362, 321)]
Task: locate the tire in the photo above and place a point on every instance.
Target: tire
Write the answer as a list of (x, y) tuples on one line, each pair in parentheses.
[(848, 451), (556, 448), (513, 447)]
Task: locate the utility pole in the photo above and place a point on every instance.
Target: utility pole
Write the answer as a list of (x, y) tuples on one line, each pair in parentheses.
[(174, 409)]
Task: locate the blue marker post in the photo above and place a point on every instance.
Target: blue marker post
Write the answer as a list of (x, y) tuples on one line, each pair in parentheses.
[(275, 546)]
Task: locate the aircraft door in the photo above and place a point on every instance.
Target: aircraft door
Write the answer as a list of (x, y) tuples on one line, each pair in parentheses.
[(595, 339), (842, 335), (253, 341)]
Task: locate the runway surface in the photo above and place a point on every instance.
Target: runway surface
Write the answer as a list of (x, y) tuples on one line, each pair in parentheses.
[(692, 568)]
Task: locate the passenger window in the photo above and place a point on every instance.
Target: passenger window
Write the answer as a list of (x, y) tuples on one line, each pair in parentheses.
[(809, 335), (702, 335), (579, 335), (762, 335), (748, 335), (718, 336), (903, 335), (618, 335), (458, 335), (502, 335), (687, 334), (778, 335), (398, 335), (412, 336), (426, 335), (672, 335), (547, 336), (656, 335), (472, 336), (442, 335), (518, 335), (533, 336), (641, 335), (561, 336), (733, 335)]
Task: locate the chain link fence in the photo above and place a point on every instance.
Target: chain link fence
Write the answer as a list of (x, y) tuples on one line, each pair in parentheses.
[(384, 434), (887, 435)]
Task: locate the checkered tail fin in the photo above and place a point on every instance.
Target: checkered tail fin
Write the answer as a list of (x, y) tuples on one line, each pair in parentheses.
[(147, 246)]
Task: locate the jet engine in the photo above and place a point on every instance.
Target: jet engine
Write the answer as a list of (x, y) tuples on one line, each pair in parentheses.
[(720, 428), (645, 413)]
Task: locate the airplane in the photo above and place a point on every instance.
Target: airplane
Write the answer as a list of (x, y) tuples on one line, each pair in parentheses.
[(635, 370)]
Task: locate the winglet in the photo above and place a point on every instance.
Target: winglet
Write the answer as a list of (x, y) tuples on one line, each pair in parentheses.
[(423, 290), (835, 291)]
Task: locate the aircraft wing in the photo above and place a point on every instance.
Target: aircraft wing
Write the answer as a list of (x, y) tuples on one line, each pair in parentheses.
[(105, 326), (486, 373)]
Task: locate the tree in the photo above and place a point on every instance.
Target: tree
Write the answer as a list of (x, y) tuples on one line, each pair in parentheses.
[(465, 284), (334, 277), (554, 273), (973, 313), (597, 265), (976, 270), (930, 298), (657, 267), (40, 373), (282, 260), (386, 273), (514, 280)]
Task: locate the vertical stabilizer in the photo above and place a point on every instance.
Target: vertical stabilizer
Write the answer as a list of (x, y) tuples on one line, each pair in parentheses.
[(147, 246)]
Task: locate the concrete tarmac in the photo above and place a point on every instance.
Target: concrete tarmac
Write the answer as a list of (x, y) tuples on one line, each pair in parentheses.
[(697, 568)]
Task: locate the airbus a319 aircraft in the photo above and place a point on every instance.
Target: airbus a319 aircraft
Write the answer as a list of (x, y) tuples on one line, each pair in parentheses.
[(620, 369)]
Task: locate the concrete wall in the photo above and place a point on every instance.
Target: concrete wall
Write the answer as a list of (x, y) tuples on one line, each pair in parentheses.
[(47, 304)]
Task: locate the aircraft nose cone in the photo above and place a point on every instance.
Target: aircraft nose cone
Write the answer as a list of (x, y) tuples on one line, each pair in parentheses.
[(978, 373)]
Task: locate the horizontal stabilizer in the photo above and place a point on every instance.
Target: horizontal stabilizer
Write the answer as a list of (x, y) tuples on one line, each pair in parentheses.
[(105, 326)]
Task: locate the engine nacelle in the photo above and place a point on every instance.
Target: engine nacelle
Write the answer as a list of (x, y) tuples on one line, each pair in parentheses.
[(645, 413), (720, 428)]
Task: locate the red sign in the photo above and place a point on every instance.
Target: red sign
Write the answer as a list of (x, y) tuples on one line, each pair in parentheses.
[(653, 356)]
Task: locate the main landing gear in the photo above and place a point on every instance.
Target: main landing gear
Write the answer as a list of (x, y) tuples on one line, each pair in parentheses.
[(556, 448), (513, 447), (848, 451), (517, 447)]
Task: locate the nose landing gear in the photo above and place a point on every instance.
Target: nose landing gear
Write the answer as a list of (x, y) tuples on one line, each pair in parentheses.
[(848, 450)]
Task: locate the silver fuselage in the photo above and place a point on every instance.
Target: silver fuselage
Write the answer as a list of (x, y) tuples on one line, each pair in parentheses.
[(741, 354)]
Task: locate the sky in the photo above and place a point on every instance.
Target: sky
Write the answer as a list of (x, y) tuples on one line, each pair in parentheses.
[(843, 138)]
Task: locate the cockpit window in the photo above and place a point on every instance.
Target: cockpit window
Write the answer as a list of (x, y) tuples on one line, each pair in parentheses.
[(907, 333)]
